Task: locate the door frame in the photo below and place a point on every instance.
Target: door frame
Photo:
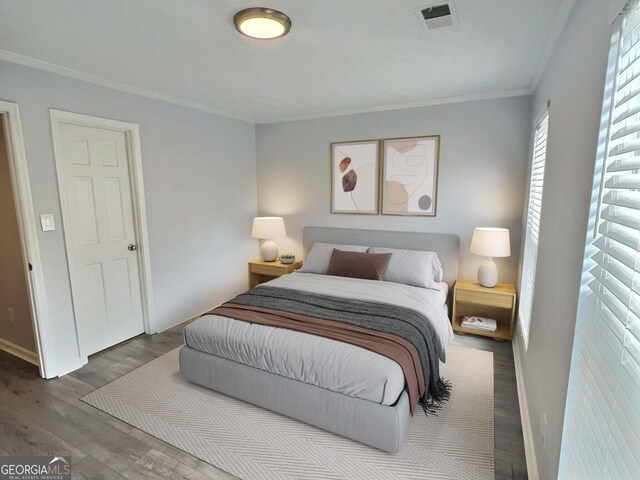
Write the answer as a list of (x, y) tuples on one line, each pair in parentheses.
[(28, 232), (134, 152)]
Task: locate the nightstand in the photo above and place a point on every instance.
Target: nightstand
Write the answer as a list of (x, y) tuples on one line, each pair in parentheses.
[(261, 271), (499, 303)]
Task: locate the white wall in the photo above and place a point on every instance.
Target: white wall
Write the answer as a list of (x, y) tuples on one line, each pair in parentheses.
[(200, 185), (483, 162), (574, 82)]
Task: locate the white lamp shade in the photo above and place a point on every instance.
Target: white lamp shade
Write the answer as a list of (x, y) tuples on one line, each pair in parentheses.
[(268, 228), (491, 242)]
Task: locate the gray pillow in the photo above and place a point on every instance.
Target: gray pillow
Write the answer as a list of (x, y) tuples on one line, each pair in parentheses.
[(411, 267), (317, 260)]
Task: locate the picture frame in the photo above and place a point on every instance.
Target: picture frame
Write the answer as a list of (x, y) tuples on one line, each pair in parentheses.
[(355, 177), (410, 176)]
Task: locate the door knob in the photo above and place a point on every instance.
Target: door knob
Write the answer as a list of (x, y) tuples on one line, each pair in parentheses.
[(132, 247)]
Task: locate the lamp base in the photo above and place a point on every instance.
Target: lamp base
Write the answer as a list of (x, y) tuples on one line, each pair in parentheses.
[(269, 251), (488, 273)]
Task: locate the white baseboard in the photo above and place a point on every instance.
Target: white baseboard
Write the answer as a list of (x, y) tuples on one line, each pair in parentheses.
[(32, 357), (169, 327), (527, 432), (20, 352)]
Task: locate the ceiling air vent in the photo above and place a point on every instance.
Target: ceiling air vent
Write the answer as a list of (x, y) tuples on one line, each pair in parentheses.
[(437, 16)]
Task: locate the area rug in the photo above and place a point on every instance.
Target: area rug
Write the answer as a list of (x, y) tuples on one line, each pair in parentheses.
[(252, 443)]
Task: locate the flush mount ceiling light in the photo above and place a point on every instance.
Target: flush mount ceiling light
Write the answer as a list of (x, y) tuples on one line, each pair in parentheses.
[(262, 23)]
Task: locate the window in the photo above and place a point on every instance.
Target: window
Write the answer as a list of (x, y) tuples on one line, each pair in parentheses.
[(601, 436), (532, 231)]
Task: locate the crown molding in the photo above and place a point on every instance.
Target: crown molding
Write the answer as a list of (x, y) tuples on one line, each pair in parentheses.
[(401, 106), (122, 87), (142, 92), (556, 30)]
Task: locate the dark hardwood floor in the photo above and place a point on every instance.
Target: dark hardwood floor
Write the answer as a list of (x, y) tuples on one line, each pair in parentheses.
[(46, 417), (510, 458)]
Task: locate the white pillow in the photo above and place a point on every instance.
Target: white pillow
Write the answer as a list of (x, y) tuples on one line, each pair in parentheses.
[(317, 260), (411, 267)]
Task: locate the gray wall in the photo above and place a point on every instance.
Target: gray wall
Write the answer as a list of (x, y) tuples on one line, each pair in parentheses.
[(483, 163), (574, 82), (13, 282), (200, 185)]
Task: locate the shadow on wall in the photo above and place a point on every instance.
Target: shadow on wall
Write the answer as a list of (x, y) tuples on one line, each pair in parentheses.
[(16, 326)]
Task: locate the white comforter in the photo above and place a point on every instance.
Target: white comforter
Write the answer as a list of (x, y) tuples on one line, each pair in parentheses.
[(326, 363)]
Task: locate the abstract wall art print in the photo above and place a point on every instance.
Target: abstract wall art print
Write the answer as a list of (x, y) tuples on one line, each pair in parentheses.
[(354, 176), (410, 176)]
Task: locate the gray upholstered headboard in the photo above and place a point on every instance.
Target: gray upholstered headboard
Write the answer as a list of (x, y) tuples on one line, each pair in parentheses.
[(446, 245)]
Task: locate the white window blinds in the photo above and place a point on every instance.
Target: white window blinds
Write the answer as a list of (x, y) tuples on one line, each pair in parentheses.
[(601, 437), (534, 210)]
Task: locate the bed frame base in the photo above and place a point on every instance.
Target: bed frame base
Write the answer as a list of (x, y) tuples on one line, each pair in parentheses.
[(380, 426)]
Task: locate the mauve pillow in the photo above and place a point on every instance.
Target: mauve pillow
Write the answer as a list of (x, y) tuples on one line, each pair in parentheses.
[(317, 260), (369, 266)]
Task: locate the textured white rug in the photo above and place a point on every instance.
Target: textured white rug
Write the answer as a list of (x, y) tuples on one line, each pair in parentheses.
[(253, 443)]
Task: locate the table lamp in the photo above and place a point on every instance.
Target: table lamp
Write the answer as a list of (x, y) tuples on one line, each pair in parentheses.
[(268, 228), (490, 242)]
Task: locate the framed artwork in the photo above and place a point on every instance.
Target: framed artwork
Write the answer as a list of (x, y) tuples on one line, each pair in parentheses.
[(355, 176), (410, 176)]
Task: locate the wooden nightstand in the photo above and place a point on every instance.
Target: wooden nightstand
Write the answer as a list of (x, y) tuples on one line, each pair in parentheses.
[(261, 271), (499, 303)]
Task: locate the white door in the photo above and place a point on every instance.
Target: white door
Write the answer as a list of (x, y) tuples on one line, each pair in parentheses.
[(101, 239)]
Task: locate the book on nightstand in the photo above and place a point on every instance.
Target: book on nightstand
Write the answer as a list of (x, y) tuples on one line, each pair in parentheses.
[(479, 323)]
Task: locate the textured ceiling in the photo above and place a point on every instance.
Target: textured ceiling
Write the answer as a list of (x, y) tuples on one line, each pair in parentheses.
[(340, 56)]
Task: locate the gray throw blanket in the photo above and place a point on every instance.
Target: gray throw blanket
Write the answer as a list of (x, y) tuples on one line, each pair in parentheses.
[(399, 321)]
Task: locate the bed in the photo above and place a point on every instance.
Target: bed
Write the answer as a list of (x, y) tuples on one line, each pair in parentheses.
[(340, 387)]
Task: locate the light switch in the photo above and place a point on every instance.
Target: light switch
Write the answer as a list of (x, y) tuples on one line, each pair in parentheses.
[(46, 220)]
